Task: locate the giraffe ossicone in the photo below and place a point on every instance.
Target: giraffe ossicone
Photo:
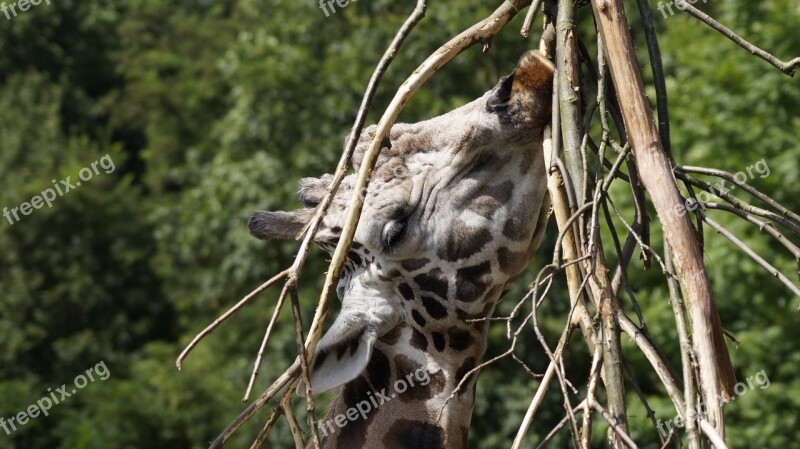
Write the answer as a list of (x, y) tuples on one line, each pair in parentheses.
[(455, 208)]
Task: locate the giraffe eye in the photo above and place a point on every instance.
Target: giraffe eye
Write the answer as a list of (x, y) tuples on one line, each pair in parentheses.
[(393, 232)]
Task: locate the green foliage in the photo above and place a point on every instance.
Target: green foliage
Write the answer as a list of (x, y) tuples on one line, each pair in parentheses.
[(212, 110)]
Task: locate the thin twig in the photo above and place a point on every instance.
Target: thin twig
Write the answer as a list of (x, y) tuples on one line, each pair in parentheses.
[(538, 397), (322, 208), (567, 228), (670, 437), (294, 426), (788, 67), (739, 204), (763, 226), (712, 435), (594, 374), (559, 426), (660, 365), (642, 398), (745, 186), (606, 163), (753, 255), (676, 301), (284, 379), (210, 328), (621, 273), (264, 342), (352, 139), (559, 373), (530, 17), (306, 372), (614, 426), (262, 436), (662, 105), (551, 369)]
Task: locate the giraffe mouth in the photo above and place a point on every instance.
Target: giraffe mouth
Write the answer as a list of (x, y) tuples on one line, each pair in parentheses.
[(367, 313), (349, 340), (340, 358)]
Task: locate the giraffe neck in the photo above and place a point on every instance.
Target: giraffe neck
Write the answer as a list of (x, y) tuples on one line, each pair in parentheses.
[(401, 399)]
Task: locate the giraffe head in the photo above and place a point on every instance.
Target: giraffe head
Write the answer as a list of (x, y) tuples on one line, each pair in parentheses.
[(454, 210)]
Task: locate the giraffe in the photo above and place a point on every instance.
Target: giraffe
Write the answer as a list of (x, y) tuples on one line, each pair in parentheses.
[(455, 208)]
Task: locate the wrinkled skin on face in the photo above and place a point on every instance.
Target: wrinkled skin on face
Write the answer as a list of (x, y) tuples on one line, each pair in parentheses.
[(455, 208)]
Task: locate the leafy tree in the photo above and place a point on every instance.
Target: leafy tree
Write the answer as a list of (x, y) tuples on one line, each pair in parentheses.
[(211, 110)]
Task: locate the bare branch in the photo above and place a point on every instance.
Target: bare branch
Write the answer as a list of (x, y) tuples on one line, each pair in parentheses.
[(662, 105), (676, 301), (656, 171), (294, 426), (298, 328), (264, 342), (284, 379), (530, 17), (262, 436), (656, 359), (763, 226), (210, 328), (739, 204), (712, 435), (614, 426), (594, 373), (568, 85), (746, 187), (560, 425), (354, 208), (753, 255), (311, 228), (788, 67)]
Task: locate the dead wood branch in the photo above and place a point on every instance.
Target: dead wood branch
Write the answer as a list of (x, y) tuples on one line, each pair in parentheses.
[(656, 171), (294, 271)]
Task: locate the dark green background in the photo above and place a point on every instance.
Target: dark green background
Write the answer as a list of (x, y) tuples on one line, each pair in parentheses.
[(211, 110)]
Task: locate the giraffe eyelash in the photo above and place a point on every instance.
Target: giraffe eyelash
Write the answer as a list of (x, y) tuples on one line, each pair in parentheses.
[(393, 232)]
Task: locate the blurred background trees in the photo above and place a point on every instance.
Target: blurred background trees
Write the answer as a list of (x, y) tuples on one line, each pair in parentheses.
[(212, 110)]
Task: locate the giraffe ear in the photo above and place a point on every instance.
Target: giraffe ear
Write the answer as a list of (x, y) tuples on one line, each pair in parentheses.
[(526, 93), (279, 225), (311, 191), (361, 146), (501, 95)]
